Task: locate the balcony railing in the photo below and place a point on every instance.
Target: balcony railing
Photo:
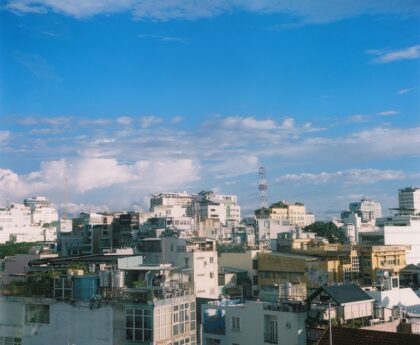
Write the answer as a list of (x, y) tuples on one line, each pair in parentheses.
[(271, 338)]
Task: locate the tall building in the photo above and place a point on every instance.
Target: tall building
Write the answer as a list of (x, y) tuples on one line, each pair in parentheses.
[(129, 304), (196, 253), (361, 217), (224, 208), (293, 213), (409, 200), (184, 200)]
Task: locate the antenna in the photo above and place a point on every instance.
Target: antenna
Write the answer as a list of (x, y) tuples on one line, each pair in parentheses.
[(262, 188)]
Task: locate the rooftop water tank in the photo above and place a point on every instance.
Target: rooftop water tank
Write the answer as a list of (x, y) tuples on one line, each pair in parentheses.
[(85, 287), (118, 279), (105, 279)]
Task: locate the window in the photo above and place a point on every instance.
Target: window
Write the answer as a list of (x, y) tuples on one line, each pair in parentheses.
[(211, 259), (355, 263), (211, 275), (180, 318), (347, 274), (255, 280), (138, 324), (255, 264), (10, 341), (236, 323), (37, 313)]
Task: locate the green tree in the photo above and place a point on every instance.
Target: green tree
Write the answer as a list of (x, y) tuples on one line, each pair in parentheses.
[(328, 230)]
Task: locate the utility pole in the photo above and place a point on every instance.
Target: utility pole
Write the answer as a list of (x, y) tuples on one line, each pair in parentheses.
[(329, 317)]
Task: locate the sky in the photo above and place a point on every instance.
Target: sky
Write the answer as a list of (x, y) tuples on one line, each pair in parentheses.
[(104, 102)]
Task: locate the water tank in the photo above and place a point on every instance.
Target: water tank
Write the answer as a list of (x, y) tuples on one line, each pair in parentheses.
[(85, 287), (118, 279), (399, 311), (287, 290), (105, 279), (377, 311)]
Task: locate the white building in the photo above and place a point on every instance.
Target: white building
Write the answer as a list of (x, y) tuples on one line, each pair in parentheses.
[(253, 322), (196, 253), (42, 210), (268, 228), (402, 229), (184, 200), (224, 208), (41, 321), (409, 200), (25, 222), (361, 217)]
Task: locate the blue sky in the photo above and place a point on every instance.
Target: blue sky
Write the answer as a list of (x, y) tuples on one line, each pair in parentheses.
[(102, 103)]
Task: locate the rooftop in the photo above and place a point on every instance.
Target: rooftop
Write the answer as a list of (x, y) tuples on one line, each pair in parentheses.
[(342, 294), (352, 336)]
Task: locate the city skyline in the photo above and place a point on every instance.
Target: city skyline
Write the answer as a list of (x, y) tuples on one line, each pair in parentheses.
[(104, 104)]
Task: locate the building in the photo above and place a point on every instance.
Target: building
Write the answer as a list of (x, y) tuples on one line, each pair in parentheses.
[(361, 217), (352, 336), (392, 301), (196, 253), (268, 229), (183, 200), (409, 200), (287, 213), (397, 230), (16, 219), (220, 207), (41, 210), (246, 261), (343, 303), (318, 263), (253, 322), (124, 303)]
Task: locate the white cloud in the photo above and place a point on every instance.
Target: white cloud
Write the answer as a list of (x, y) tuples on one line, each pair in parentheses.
[(322, 11), (5, 136), (84, 175), (165, 38), (404, 91), (358, 118), (234, 166), (124, 120), (37, 65), (387, 56), (388, 113), (352, 176), (148, 121), (177, 119), (248, 123)]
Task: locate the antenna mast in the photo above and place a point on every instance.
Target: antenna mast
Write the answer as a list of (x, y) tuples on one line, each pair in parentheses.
[(262, 188)]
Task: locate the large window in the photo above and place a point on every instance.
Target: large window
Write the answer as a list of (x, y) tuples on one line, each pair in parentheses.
[(138, 324), (37, 313)]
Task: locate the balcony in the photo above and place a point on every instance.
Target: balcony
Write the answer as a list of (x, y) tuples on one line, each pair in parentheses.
[(271, 338)]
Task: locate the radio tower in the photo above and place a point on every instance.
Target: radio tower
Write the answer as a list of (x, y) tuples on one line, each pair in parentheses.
[(262, 188)]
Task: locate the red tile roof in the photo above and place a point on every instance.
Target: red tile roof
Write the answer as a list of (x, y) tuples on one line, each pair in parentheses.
[(352, 336)]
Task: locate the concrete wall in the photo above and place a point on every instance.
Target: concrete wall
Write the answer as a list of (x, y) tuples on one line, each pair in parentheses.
[(290, 326)]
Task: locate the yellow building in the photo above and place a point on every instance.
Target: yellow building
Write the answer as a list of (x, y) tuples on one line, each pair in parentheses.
[(294, 213), (322, 263), (359, 263), (277, 268)]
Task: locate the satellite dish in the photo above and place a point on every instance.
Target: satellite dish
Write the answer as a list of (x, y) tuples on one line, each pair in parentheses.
[(386, 274)]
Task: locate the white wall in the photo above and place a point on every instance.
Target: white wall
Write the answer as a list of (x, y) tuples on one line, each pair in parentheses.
[(407, 235), (290, 326)]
